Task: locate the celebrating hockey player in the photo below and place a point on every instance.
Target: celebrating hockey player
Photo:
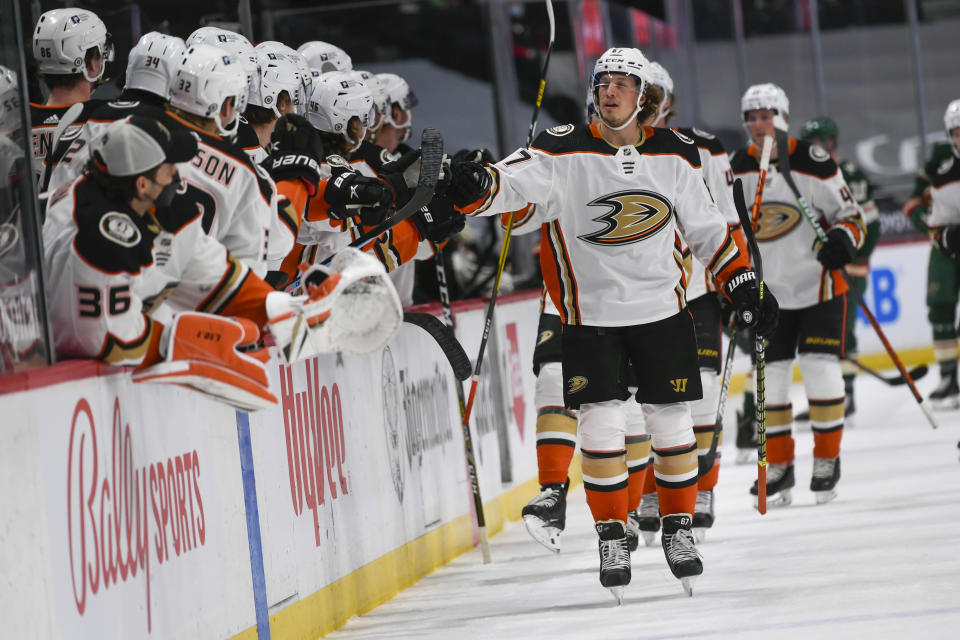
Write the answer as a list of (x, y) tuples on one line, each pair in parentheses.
[(822, 132), (809, 290), (618, 282)]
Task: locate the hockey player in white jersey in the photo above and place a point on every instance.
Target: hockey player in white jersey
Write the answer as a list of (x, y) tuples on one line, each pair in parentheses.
[(277, 90), (810, 292), (617, 278), (115, 249)]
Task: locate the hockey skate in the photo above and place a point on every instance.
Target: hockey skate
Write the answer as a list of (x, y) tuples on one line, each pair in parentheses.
[(681, 550), (545, 516), (826, 473), (780, 481), (947, 394), (703, 515), (614, 557), (633, 530), (746, 438), (648, 518)]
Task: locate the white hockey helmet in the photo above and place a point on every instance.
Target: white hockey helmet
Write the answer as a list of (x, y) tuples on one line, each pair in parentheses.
[(951, 117), (63, 37), (381, 101), (325, 56), (337, 98), (767, 96), (152, 63), (626, 60), (230, 41), (272, 46), (660, 77), (398, 93), (277, 73), (205, 78), (9, 102)]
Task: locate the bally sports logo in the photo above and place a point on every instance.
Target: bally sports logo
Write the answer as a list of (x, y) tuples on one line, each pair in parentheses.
[(316, 449), (109, 508)]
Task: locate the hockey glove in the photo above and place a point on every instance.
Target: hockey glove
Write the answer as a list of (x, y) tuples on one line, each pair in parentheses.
[(469, 184), (837, 251), (439, 221), (350, 194), (295, 152), (401, 176), (752, 312), (948, 240)]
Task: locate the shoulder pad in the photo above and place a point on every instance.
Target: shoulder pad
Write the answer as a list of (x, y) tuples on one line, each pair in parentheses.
[(742, 162), (110, 238), (577, 139), (704, 140), (246, 137), (560, 130), (667, 141), (811, 159), (947, 171)]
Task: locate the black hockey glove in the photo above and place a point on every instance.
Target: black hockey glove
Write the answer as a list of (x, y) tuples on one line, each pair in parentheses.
[(295, 151), (440, 221), (837, 251), (401, 176), (948, 240), (744, 293), (350, 194), (469, 183)]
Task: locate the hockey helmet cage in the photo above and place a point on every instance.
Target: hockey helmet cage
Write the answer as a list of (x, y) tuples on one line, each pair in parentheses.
[(205, 78), (153, 62), (62, 38), (325, 56), (767, 96)]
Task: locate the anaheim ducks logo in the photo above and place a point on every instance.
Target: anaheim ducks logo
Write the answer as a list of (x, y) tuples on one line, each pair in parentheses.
[(544, 336), (777, 219), (576, 383), (634, 215)]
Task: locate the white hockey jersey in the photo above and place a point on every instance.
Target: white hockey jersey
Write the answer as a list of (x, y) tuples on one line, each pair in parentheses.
[(788, 244), (108, 267), (616, 220), (945, 195)]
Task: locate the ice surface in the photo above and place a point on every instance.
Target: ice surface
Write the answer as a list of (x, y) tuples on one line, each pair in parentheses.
[(881, 561)]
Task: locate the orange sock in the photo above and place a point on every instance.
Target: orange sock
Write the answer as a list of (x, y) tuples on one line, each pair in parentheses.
[(605, 483), (708, 477), (779, 423), (638, 461), (675, 470), (826, 422), (556, 443)]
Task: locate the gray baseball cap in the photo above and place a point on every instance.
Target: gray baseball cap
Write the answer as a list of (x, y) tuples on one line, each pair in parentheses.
[(138, 144)]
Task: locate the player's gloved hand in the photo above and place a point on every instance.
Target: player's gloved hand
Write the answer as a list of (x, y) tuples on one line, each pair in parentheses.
[(401, 176), (727, 311), (350, 194), (483, 156), (469, 184), (948, 239), (296, 151), (837, 251), (440, 221), (752, 312)]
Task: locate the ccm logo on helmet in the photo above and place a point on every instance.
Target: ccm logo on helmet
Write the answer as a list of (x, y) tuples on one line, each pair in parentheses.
[(634, 215)]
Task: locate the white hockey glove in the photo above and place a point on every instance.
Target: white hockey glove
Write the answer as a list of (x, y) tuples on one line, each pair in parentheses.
[(351, 307), (216, 356)]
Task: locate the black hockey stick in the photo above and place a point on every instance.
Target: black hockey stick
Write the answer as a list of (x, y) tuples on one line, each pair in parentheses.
[(444, 288), (915, 374), (488, 321), (431, 157), (443, 335), (707, 462), (759, 347), (783, 157)]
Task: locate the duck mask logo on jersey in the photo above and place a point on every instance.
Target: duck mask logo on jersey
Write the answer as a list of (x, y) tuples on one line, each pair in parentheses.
[(777, 219), (634, 215)]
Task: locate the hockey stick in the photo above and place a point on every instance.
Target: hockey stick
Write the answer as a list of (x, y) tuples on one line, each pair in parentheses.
[(442, 273), (488, 321), (708, 459), (443, 336), (759, 347), (915, 374), (783, 154)]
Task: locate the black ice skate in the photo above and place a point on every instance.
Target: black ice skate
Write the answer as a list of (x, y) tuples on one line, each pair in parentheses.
[(703, 515), (947, 394), (633, 530), (545, 516), (614, 557), (681, 550), (826, 473), (780, 481), (648, 517), (746, 438)]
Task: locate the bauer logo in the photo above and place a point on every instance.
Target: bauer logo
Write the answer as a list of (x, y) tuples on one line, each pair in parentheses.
[(392, 406), (632, 216), (576, 383), (313, 429)]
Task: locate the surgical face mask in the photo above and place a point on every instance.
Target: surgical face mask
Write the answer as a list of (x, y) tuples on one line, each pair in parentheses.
[(167, 192)]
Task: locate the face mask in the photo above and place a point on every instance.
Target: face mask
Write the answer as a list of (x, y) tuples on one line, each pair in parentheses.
[(168, 192)]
